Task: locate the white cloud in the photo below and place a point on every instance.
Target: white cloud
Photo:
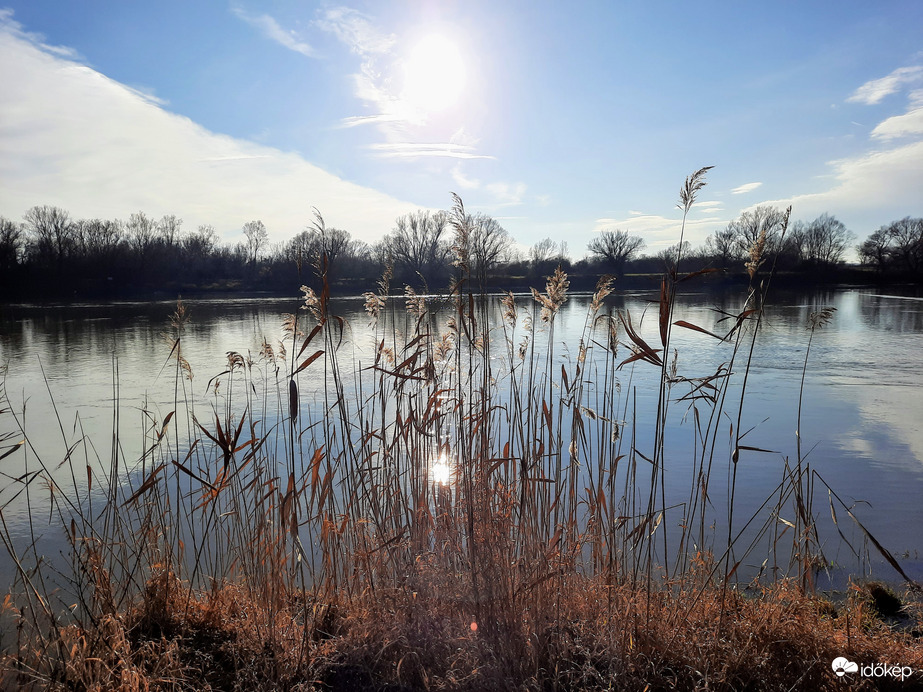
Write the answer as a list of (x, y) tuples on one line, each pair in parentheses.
[(870, 190), (659, 232), (910, 123), (876, 90), (270, 29), (747, 187), (708, 207), (72, 137)]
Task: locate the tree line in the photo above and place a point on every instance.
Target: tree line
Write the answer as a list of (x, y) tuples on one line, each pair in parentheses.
[(51, 254)]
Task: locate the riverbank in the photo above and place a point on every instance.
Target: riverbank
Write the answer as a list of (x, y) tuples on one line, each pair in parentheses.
[(426, 635)]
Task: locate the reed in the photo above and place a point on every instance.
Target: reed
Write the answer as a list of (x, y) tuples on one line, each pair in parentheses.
[(467, 508)]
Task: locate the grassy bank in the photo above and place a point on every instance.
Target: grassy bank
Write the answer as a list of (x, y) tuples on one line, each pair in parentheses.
[(470, 509)]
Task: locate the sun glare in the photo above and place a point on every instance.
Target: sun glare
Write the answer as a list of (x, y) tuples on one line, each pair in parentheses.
[(434, 74), (441, 470)]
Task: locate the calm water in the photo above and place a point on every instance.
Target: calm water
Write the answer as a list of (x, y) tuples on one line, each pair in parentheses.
[(863, 395)]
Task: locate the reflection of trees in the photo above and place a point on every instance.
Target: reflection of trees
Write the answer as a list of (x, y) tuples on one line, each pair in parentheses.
[(897, 315)]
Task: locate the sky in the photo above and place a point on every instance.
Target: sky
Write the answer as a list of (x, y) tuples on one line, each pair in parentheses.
[(558, 119)]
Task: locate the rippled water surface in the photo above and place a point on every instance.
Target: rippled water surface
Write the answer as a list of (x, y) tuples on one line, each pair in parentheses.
[(66, 367)]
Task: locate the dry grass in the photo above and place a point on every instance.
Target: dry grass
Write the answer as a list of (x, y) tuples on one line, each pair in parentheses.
[(296, 533)]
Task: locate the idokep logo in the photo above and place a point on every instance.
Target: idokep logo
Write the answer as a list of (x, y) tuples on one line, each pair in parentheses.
[(841, 666)]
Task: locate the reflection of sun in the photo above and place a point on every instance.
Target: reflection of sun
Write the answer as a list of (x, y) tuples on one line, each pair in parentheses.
[(441, 470), (434, 74)]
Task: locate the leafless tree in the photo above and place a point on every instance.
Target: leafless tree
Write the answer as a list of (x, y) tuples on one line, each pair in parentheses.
[(168, 230), (488, 243), (823, 241), (906, 241), (875, 250), (97, 237), (418, 245), (52, 232), (897, 246), (11, 244), (721, 247), (616, 248), (750, 225), (678, 250), (257, 237), (140, 232), (201, 242), (542, 252)]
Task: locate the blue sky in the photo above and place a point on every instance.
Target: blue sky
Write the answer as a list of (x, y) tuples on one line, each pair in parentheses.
[(560, 119)]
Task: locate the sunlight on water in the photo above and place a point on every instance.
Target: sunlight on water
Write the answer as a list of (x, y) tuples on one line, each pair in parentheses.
[(442, 470)]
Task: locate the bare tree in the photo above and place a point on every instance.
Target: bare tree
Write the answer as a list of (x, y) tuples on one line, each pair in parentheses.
[(201, 242), (876, 250), (753, 223), (541, 252), (906, 242), (168, 230), (721, 247), (488, 243), (823, 241), (320, 247), (140, 232), (616, 248), (678, 250), (52, 232), (257, 237), (11, 245), (96, 237), (418, 245)]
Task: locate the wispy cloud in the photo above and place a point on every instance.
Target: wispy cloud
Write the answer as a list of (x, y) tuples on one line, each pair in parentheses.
[(271, 29), (708, 206), (909, 123), (463, 181), (507, 194), (85, 158), (10, 25), (363, 38), (415, 149), (867, 188), (876, 90), (356, 30), (747, 187), (660, 231)]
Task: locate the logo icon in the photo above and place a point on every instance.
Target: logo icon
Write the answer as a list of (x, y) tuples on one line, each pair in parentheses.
[(841, 666)]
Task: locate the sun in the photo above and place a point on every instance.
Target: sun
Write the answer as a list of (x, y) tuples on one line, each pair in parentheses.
[(434, 74)]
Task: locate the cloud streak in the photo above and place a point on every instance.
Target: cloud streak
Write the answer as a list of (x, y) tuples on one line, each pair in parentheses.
[(415, 149), (271, 29), (743, 189)]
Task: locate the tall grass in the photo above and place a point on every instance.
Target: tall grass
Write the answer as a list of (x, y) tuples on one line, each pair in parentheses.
[(469, 508)]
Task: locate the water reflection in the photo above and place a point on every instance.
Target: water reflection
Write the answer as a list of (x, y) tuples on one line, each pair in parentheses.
[(862, 394), (442, 469)]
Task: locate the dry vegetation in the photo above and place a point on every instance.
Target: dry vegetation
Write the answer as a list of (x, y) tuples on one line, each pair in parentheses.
[(459, 514)]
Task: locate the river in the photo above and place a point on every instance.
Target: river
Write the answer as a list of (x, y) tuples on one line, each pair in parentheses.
[(66, 366)]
